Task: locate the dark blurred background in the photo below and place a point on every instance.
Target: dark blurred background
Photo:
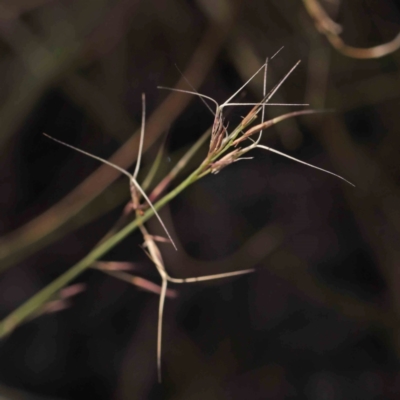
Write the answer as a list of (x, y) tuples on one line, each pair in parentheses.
[(319, 317)]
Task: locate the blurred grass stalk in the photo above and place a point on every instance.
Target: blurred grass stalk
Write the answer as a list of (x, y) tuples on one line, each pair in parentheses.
[(332, 30)]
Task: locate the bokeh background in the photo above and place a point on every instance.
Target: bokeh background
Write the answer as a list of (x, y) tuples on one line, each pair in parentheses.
[(319, 319)]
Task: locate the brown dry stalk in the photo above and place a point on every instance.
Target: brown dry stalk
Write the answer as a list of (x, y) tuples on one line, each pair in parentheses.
[(331, 30)]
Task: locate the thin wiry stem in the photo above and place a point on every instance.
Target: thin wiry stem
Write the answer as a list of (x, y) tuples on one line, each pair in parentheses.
[(139, 158), (123, 171), (194, 93), (210, 277), (227, 102), (303, 162), (138, 187), (242, 87), (275, 89), (264, 104), (253, 113), (277, 52), (153, 252), (138, 281), (155, 255), (264, 94), (194, 89), (131, 179), (165, 278), (161, 303)]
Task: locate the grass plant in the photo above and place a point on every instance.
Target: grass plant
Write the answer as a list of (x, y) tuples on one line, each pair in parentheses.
[(225, 148)]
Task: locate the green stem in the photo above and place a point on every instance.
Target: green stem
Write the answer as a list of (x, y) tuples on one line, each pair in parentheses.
[(31, 305), (35, 302), (179, 166)]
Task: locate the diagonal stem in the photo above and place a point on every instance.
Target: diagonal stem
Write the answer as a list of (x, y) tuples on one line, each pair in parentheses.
[(159, 325), (36, 301)]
